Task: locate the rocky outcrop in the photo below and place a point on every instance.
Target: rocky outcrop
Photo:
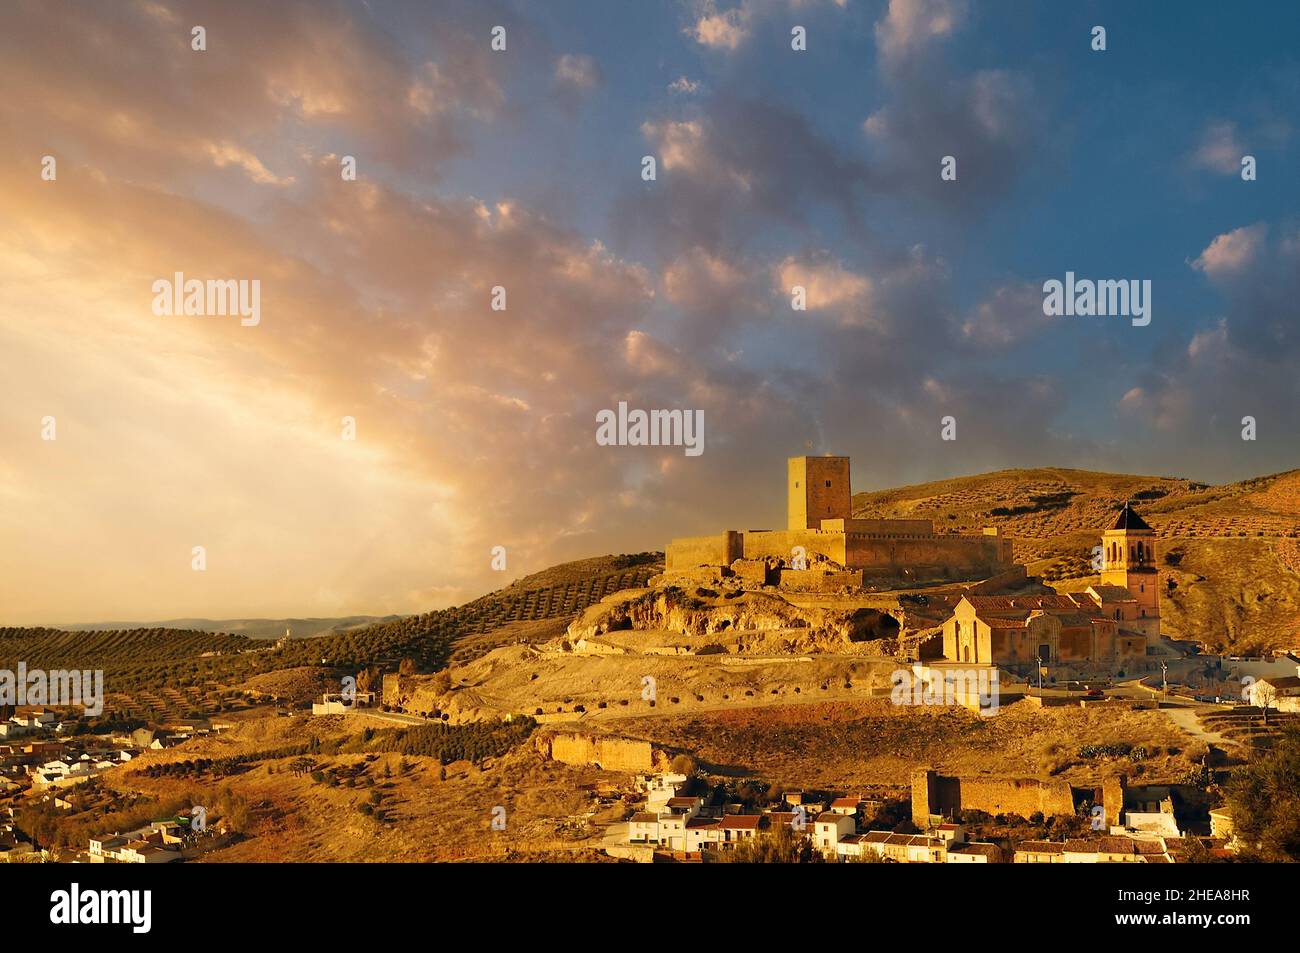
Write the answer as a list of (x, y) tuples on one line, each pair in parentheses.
[(704, 612)]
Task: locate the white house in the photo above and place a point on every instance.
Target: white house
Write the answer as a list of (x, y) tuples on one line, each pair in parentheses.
[(1281, 692), (643, 828), (829, 829)]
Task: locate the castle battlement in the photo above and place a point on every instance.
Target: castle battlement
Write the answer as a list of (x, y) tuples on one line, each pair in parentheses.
[(821, 524)]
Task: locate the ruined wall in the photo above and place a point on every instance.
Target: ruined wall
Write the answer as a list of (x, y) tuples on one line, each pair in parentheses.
[(756, 572), (608, 752), (1112, 797), (818, 580), (936, 794), (392, 693), (687, 552)]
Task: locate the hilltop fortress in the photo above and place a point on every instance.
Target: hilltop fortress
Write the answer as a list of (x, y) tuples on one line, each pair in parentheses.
[(987, 610), (823, 546)]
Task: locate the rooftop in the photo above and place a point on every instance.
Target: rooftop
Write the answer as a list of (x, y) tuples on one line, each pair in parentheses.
[(1128, 519)]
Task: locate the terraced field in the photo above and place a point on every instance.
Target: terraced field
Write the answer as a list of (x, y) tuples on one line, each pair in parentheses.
[(1247, 726)]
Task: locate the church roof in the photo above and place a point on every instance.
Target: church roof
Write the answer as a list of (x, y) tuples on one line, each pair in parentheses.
[(1128, 519)]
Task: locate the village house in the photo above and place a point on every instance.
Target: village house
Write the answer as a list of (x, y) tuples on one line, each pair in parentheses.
[(947, 844), (1279, 692), (846, 805), (1107, 849), (156, 843), (13, 847), (829, 829), (975, 853), (736, 828), (901, 848), (339, 703), (643, 828), (702, 832)]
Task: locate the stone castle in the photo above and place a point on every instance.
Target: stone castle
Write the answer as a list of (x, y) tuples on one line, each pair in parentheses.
[(993, 613), (823, 538)]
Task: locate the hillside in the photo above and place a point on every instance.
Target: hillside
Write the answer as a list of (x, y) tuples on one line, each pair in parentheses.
[(1229, 558), (177, 672), (1231, 552), (308, 628)]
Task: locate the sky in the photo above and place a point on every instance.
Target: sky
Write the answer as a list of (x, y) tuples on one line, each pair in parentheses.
[(522, 169)]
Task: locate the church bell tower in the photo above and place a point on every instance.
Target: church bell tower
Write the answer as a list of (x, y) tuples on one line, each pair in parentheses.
[(1128, 552)]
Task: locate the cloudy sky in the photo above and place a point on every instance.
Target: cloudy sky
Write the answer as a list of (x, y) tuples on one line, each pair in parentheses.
[(523, 169)]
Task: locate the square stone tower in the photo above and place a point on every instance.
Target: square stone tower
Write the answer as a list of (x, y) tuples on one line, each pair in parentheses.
[(818, 489), (1129, 560)]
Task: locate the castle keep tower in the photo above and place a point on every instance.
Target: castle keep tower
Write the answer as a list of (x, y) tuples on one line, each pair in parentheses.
[(818, 489), (1128, 552)]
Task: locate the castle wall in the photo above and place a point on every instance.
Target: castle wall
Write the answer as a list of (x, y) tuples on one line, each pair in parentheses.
[(893, 556), (936, 794), (721, 549), (611, 754), (880, 527), (781, 543), (927, 557)]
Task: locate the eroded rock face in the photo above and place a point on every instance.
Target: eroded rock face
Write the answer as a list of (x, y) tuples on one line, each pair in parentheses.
[(703, 612)]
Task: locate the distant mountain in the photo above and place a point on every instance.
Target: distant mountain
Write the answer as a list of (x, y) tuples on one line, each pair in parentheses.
[(250, 628)]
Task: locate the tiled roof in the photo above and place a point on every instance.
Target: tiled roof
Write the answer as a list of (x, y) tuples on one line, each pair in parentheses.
[(1109, 593), (1282, 681), (985, 850), (1128, 519), (898, 840)]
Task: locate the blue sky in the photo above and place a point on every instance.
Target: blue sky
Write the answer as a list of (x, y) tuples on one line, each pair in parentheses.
[(521, 169)]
